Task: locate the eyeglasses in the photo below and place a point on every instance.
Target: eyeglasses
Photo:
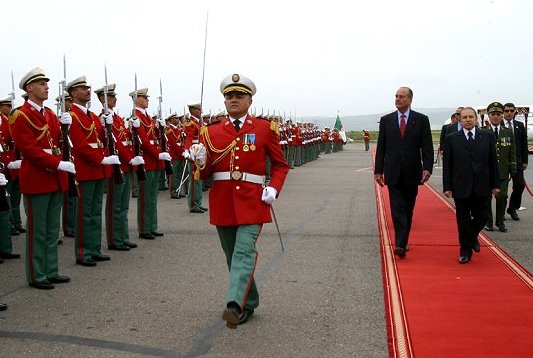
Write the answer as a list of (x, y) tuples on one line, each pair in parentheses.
[(509, 110)]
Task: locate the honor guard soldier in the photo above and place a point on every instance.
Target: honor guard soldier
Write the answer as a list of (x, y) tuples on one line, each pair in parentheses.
[(43, 178), (506, 156), (153, 158), (68, 216), (176, 138), (233, 152), (13, 187), (193, 124), (92, 169), (118, 194)]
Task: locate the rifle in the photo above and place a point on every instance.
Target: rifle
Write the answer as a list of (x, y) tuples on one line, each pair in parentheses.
[(162, 135), (141, 172), (66, 144), (118, 177), (5, 201)]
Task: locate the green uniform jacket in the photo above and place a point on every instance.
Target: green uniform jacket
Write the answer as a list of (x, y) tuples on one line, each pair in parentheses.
[(505, 151)]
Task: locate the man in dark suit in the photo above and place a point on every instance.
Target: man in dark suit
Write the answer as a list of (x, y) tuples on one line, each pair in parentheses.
[(470, 174), (520, 135), (452, 127), (404, 160)]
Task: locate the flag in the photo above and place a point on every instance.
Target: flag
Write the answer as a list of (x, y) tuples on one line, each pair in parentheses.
[(339, 128)]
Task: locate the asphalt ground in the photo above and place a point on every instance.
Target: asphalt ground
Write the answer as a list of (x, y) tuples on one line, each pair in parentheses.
[(322, 297)]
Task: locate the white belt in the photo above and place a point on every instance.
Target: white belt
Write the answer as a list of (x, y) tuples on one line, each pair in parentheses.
[(126, 143), (95, 145), (236, 175), (56, 151), (154, 142)]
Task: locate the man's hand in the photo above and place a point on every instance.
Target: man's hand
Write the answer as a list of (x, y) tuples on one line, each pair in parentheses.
[(66, 167), (106, 119), (269, 195), (448, 193), (14, 164), (135, 122), (379, 179), (495, 192), (165, 156), (3, 180), (137, 160), (65, 118), (112, 159), (425, 176)]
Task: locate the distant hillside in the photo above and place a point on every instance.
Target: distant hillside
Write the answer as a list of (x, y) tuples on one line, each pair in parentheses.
[(437, 116)]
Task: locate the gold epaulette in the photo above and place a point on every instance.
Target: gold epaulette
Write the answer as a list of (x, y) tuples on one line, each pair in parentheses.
[(13, 115), (203, 130), (188, 123), (274, 127)]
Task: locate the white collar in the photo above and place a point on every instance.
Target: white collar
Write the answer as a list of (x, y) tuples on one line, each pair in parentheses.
[(83, 108), (35, 105)]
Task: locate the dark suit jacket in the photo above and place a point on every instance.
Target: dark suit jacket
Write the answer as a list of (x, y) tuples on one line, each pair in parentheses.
[(402, 160), (520, 135), (465, 171)]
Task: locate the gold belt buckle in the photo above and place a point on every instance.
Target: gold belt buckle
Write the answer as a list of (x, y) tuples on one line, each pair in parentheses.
[(236, 175), (56, 151)]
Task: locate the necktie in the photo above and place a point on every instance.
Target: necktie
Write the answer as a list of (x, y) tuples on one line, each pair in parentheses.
[(402, 125), (237, 125), (510, 125), (470, 140), (496, 131), (42, 111)]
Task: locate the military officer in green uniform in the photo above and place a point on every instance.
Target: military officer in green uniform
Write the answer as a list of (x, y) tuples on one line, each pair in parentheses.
[(506, 155)]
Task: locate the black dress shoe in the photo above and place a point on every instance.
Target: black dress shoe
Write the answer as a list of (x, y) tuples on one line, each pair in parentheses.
[(101, 258), (46, 285), (9, 255), (69, 234), (476, 247), (464, 259), (59, 242), (3, 306), (14, 232), (134, 195), (146, 236), (513, 214), (204, 209), (243, 318), (157, 233), (21, 230), (232, 317), (488, 228), (59, 279), (197, 210), (131, 245), (400, 252), (118, 248), (88, 262), (502, 228), (1, 261)]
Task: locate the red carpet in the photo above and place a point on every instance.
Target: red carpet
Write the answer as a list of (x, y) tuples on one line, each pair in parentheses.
[(438, 308)]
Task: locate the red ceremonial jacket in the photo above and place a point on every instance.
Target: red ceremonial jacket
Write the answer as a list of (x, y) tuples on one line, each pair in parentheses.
[(36, 136), (7, 154), (123, 144), (88, 145), (192, 132), (237, 202), (150, 142), (175, 142)]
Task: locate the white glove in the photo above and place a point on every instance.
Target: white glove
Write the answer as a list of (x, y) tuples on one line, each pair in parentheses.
[(138, 160), (14, 164), (198, 153), (65, 118), (112, 159), (3, 180), (269, 195), (66, 167), (161, 122), (186, 154), (135, 123), (165, 156), (106, 118)]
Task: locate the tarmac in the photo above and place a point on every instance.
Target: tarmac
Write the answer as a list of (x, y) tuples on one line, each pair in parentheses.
[(322, 297)]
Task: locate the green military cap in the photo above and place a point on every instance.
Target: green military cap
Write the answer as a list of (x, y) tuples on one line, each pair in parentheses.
[(495, 107), (78, 82), (110, 90), (143, 92), (237, 83), (34, 75), (6, 100)]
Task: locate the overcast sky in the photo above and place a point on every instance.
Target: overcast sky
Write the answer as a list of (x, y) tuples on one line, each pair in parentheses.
[(305, 57)]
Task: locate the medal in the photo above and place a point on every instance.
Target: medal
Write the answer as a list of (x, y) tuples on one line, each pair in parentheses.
[(56, 151), (252, 147), (251, 138), (245, 148)]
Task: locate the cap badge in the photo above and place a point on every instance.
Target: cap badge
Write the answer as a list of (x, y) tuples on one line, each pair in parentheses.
[(235, 78)]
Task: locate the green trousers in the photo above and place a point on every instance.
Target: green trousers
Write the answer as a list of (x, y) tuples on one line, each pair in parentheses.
[(5, 232), (501, 204), (116, 211), (238, 243), (291, 155), (147, 203), (42, 224), (13, 188), (194, 196), (88, 241), (69, 213), (175, 180)]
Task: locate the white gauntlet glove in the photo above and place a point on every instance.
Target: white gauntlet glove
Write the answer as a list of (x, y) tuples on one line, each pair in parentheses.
[(106, 118), (14, 164), (198, 153), (138, 160), (66, 167), (165, 156), (112, 159), (269, 195), (186, 154), (135, 122), (3, 180), (161, 122), (65, 118)]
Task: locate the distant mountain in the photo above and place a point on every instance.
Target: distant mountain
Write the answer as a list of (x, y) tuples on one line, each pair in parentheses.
[(437, 116)]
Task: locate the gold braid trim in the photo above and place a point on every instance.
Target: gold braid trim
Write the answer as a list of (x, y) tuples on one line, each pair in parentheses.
[(44, 129), (223, 152), (91, 129)]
